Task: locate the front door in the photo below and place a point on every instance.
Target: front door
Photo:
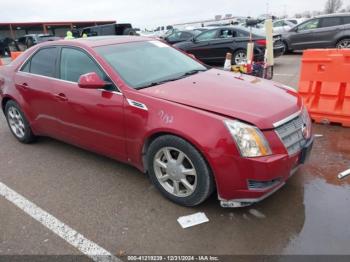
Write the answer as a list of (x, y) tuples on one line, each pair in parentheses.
[(303, 35), (90, 118), (201, 46)]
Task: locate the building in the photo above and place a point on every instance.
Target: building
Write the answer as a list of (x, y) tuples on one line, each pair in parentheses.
[(15, 30)]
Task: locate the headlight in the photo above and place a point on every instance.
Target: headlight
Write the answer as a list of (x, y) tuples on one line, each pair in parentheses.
[(249, 139)]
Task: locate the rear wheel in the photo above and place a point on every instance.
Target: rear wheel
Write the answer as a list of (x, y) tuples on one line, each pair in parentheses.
[(344, 43), (17, 122), (239, 57), (179, 171)]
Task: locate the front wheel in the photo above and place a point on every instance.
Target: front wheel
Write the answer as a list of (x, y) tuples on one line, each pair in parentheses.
[(286, 49), (17, 122), (344, 43), (179, 171)]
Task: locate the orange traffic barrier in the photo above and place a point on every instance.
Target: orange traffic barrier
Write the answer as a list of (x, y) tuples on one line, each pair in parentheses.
[(325, 85), (14, 55)]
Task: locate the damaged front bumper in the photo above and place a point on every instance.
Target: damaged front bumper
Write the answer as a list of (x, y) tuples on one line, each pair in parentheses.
[(243, 202)]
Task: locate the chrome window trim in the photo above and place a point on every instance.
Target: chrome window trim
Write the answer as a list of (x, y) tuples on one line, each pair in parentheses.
[(287, 119), (70, 82), (74, 47)]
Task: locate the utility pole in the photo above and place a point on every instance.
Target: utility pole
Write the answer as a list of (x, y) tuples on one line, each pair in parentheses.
[(267, 8)]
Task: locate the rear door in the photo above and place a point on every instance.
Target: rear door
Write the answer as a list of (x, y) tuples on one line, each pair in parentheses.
[(303, 37), (90, 118), (325, 33), (36, 81)]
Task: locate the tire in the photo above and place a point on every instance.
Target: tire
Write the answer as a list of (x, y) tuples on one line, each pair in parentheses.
[(239, 57), (188, 183), (343, 43), (18, 123), (286, 49)]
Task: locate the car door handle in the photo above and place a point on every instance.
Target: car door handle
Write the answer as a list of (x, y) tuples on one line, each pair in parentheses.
[(61, 97), (24, 86)]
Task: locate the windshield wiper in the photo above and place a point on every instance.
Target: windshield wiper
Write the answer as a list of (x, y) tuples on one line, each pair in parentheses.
[(156, 83), (192, 72)]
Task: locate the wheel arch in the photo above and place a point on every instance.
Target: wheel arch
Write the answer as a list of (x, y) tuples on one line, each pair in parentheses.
[(153, 136), (341, 38), (5, 100)]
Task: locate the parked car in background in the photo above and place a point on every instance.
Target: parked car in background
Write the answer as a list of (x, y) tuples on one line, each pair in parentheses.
[(282, 26), (110, 29), (180, 36), (296, 21), (7, 45), (195, 130), (326, 31), (162, 31), (30, 40), (212, 45)]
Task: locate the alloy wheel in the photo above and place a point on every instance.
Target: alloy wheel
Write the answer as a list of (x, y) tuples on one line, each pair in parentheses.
[(16, 122), (175, 172), (345, 43), (240, 58)]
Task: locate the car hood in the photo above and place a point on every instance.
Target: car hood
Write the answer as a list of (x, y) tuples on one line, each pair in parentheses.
[(254, 100)]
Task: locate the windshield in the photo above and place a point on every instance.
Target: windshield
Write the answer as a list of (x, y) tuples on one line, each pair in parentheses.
[(142, 64)]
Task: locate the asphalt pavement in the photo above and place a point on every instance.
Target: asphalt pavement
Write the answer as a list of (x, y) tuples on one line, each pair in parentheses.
[(116, 207)]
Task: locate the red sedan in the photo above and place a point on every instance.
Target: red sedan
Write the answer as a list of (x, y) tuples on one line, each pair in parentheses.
[(192, 128)]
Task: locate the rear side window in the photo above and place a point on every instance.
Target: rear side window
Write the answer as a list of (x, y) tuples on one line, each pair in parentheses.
[(75, 63), (44, 62), (346, 20), (227, 33), (330, 21)]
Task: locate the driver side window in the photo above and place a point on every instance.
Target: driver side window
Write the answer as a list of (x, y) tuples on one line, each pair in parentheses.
[(75, 63), (312, 24), (174, 37), (208, 35)]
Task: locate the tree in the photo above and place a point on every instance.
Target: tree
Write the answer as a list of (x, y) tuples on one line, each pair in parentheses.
[(332, 6)]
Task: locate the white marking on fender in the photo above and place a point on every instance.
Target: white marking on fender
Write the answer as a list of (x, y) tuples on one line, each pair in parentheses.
[(77, 240)]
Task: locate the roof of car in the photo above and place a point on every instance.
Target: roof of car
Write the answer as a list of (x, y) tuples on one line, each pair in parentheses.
[(95, 41), (332, 15)]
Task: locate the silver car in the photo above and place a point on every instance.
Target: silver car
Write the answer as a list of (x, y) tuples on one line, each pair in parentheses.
[(326, 31)]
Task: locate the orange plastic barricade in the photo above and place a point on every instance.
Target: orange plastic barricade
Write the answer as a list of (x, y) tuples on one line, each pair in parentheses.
[(325, 85), (14, 55)]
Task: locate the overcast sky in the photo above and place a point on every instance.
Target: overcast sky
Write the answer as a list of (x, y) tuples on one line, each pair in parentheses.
[(147, 13)]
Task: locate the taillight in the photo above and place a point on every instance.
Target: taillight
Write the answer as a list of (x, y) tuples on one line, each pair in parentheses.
[(261, 42)]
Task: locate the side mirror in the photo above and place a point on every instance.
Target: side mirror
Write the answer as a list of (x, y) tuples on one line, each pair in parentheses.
[(91, 81), (193, 39)]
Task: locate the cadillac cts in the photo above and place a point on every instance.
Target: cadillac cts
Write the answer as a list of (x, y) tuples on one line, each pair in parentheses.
[(195, 130)]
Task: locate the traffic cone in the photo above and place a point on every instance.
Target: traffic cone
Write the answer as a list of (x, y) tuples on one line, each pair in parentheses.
[(1, 62), (228, 62)]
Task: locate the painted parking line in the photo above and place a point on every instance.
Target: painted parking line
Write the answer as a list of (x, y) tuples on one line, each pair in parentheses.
[(276, 74), (77, 240)]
